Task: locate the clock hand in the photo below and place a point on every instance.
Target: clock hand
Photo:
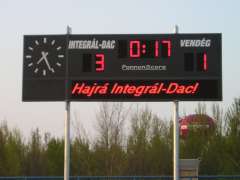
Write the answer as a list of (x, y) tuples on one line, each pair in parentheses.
[(43, 55), (40, 60), (46, 61)]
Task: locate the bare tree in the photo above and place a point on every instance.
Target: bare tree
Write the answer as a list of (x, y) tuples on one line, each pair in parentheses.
[(110, 123), (201, 108), (79, 132), (218, 115)]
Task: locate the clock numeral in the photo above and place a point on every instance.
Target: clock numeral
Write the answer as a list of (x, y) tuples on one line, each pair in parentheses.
[(36, 70), (30, 64), (53, 42), (44, 40), (28, 56), (58, 64), (30, 48), (36, 42), (60, 56), (44, 72), (59, 47)]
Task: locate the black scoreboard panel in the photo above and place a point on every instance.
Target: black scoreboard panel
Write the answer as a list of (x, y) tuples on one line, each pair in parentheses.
[(132, 62), (143, 67)]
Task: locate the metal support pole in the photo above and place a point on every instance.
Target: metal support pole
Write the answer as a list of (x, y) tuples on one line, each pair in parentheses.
[(67, 124), (176, 134), (67, 142), (175, 141)]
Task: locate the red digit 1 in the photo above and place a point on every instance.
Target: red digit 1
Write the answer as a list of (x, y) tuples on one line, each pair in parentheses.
[(168, 47), (205, 61), (100, 62), (137, 45), (156, 48)]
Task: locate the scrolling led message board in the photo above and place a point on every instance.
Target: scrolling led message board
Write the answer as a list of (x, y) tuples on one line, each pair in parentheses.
[(144, 67)]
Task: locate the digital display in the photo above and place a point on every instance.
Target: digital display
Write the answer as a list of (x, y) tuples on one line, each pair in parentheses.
[(102, 65), (144, 90), (144, 49)]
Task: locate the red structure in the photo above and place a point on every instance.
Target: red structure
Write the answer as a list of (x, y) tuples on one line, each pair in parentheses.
[(195, 121)]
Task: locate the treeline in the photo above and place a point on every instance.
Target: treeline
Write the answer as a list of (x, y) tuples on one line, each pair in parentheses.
[(129, 141)]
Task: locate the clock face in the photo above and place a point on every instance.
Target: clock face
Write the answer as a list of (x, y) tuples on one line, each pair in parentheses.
[(44, 57)]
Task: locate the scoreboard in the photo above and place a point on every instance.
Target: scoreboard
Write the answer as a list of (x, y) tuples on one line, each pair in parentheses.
[(122, 67)]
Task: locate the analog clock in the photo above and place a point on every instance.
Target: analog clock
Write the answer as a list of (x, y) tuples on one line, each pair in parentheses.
[(44, 57)]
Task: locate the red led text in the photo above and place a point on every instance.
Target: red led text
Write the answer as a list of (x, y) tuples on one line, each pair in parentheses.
[(116, 89)]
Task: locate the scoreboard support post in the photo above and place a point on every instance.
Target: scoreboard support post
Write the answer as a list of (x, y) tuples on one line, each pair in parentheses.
[(176, 134), (67, 141), (176, 140), (67, 129)]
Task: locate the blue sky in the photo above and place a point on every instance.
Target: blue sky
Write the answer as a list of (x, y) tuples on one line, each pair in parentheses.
[(106, 16)]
